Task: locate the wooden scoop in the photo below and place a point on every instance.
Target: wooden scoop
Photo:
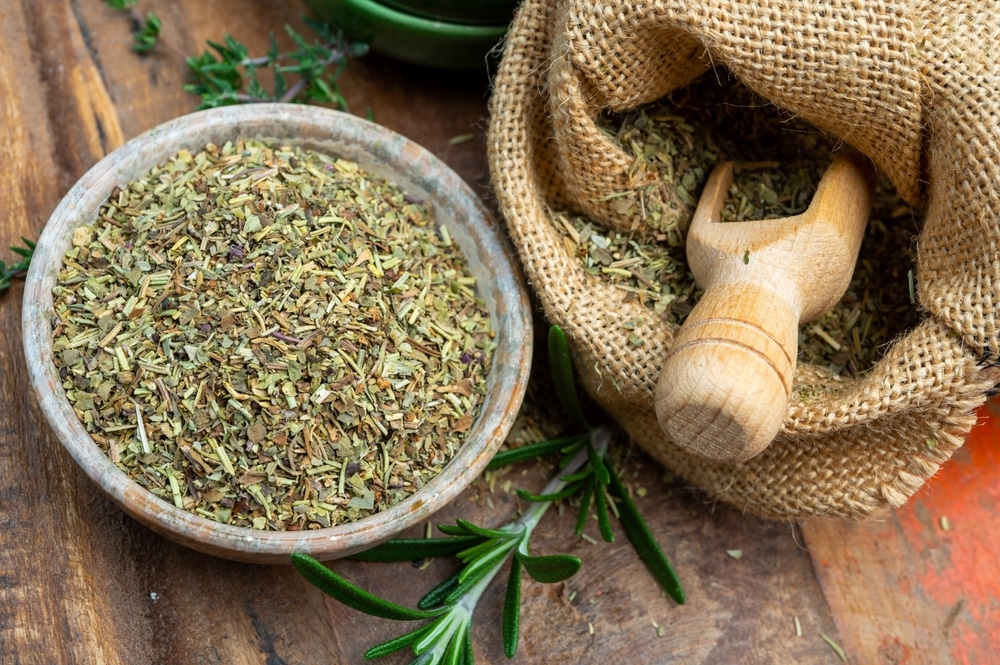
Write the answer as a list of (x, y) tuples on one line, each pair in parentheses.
[(724, 388)]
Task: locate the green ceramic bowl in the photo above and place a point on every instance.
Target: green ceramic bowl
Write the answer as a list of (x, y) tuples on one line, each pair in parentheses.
[(479, 12), (413, 39)]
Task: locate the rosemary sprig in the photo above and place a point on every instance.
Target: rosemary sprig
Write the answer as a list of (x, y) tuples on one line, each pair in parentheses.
[(7, 273), (448, 608)]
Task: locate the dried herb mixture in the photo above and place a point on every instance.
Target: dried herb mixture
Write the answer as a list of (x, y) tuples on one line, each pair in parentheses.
[(675, 143), (270, 337)]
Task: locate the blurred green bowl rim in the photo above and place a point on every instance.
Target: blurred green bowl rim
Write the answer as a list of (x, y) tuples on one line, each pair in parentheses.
[(483, 12), (412, 39)]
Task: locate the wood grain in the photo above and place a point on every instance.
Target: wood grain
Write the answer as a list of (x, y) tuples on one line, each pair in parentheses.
[(82, 583), (922, 587)]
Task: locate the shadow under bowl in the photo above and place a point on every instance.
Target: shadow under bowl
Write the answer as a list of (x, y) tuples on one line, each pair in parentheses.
[(377, 150)]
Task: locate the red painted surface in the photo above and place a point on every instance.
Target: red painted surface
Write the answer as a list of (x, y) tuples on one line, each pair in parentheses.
[(959, 566)]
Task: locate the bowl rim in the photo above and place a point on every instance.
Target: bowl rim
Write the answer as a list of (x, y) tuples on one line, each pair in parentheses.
[(457, 11), (439, 28), (353, 138)]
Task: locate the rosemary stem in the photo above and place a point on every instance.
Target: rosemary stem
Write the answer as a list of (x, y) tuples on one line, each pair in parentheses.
[(600, 437)]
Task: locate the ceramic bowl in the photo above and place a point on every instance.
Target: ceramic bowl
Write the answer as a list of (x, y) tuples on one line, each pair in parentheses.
[(480, 12), (376, 149), (414, 39)]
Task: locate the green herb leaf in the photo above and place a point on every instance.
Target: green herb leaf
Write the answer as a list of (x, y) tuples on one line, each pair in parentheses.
[(9, 272), (581, 520), (473, 574), (469, 659), (603, 521), (395, 644), (644, 542), (476, 550), (455, 653), (226, 74), (148, 35), (580, 475), (435, 597), (479, 566), (437, 631), (411, 549), (353, 596), (452, 530), (562, 375), (511, 623), (549, 568), (569, 491), (534, 450), (597, 464)]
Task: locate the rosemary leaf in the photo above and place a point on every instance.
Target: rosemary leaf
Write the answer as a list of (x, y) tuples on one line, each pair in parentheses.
[(562, 375), (353, 596), (569, 491), (600, 468), (468, 555), (452, 530), (534, 450), (511, 625), (411, 549), (474, 530), (474, 571), (467, 644), (585, 473), (435, 597), (437, 630), (455, 653), (603, 521), (395, 644), (550, 568), (475, 577), (644, 542)]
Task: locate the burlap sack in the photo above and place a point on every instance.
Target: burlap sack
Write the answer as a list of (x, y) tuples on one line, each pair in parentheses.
[(913, 86)]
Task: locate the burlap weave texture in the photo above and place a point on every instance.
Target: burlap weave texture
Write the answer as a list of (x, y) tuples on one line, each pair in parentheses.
[(911, 85)]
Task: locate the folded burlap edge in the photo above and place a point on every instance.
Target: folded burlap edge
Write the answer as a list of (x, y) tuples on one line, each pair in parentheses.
[(871, 452)]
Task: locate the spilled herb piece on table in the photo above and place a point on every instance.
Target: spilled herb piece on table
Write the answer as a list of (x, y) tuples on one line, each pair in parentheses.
[(19, 269), (447, 609), (226, 73), (270, 337)]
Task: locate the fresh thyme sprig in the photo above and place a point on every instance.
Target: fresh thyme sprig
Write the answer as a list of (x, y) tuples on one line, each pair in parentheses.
[(226, 74), (7, 273), (448, 608), (147, 29)]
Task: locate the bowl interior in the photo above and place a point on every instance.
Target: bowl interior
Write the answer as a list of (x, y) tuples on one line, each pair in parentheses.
[(377, 150)]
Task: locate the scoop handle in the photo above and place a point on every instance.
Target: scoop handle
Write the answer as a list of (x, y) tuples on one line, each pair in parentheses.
[(724, 387), (725, 384)]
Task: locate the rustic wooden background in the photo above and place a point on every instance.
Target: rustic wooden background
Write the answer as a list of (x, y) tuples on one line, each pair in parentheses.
[(82, 583)]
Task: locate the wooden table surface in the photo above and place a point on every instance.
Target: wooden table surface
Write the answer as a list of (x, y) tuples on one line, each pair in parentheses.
[(82, 583)]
